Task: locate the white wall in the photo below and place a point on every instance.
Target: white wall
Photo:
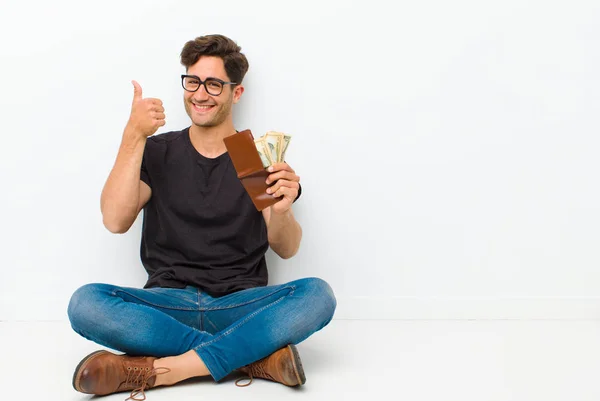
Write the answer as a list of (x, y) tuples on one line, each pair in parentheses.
[(447, 150)]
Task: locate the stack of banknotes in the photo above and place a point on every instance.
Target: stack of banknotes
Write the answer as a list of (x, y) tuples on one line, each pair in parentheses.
[(271, 147)]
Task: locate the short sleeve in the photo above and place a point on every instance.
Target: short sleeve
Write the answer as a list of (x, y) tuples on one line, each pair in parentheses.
[(299, 192)]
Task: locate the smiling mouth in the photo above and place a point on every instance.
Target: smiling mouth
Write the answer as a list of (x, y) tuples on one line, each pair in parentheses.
[(202, 108)]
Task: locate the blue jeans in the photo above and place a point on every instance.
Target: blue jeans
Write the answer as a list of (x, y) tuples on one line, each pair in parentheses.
[(227, 332)]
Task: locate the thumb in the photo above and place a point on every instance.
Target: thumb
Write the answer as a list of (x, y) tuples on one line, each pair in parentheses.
[(137, 91)]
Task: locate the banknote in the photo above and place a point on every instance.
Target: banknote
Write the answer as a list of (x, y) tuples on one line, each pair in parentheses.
[(272, 146), (273, 140), (285, 144), (262, 148)]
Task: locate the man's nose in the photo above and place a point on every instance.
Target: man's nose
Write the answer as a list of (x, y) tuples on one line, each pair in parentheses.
[(201, 94)]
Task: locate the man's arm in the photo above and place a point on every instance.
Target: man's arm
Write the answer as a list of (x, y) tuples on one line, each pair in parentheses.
[(283, 230), (124, 194)]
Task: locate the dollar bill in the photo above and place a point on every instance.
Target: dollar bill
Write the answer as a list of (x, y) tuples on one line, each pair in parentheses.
[(262, 148), (274, 142), (272, 146), (285, 143)]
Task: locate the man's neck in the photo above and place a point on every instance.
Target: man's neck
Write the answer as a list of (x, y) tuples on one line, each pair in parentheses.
[(208, 141)]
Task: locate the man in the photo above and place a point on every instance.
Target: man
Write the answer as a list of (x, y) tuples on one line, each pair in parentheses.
[(206, 308)]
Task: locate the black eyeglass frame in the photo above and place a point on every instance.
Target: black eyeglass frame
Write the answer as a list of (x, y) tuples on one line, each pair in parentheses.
[(223, 83)]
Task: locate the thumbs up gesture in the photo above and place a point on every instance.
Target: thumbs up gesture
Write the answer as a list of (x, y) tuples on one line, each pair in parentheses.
[(146, 114)]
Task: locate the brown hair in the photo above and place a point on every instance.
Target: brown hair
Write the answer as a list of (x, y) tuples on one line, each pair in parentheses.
[(236, 64)]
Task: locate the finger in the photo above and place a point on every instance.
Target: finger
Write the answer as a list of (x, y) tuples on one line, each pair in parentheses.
[(287, 192), (282, 184), (157, 109), (159, 116), (280, 166), (159, 123), (282, 175), (137, 91), (154, 101)]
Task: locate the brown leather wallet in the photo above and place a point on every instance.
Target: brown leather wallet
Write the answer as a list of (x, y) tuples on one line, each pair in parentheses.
[(249, 168)]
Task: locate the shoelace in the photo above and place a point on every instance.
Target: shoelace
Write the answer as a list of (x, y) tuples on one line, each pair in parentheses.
[(134, 378), (254, 371), (244, 378)]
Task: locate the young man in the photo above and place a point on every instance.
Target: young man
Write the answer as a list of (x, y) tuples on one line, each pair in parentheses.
[(206, 308)]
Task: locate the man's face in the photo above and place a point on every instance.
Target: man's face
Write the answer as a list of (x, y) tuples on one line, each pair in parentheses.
[(204, 109)]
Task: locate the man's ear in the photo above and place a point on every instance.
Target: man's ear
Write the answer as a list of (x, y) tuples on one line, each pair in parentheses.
[(237, 93)]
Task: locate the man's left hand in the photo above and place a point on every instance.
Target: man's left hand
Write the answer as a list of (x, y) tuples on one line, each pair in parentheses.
[(286, 185)]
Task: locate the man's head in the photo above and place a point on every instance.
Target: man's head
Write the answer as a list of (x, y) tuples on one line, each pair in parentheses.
[(219, 60)]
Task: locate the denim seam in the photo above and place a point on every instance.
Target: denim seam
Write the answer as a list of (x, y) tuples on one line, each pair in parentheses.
[(208, 365), (292, 287), (200, 313), (114, 293), (250, 316)]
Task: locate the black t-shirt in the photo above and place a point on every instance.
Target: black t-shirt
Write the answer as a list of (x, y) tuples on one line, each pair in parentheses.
[(200, 227)]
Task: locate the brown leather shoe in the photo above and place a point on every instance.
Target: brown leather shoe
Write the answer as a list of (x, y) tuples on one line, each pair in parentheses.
[(282, 366), (103, 373)]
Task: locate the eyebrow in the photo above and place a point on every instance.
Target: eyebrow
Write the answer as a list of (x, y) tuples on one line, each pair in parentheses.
[(220, 79)]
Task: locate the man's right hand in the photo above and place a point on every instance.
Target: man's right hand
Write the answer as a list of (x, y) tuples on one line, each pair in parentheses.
[(146, 114)]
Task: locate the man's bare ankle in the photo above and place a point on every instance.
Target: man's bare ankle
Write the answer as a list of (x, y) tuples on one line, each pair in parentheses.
[(180, 367)]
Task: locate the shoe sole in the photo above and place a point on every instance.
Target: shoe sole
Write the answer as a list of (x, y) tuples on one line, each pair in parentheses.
[(81, 366), (298, 369)]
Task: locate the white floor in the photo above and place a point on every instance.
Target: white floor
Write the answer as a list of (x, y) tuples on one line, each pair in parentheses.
[(367, 360)]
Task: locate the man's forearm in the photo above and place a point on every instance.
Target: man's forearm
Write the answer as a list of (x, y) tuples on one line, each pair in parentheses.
[(284, 234), (120, 196)]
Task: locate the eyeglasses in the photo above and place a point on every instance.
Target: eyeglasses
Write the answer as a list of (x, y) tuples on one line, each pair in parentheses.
[(213, 86)]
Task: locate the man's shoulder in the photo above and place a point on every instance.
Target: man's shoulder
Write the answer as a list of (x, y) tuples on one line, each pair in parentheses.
[(167, 137)]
